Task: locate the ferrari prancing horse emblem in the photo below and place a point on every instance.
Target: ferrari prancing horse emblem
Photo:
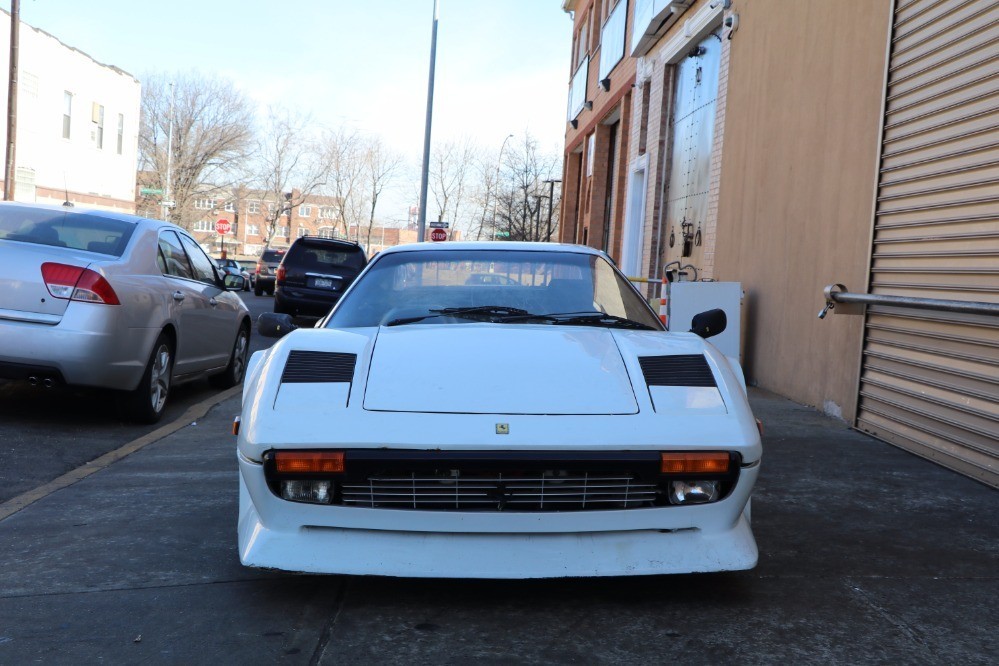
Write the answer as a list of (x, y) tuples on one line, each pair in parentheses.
[(502, 428)]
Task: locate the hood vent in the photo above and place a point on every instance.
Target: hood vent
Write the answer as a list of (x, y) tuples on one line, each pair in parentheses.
[(315, 367), (679, 370)]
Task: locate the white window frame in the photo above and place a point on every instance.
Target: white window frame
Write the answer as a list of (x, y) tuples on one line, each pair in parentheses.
[(252, 230), (253, 208), (305, 210)]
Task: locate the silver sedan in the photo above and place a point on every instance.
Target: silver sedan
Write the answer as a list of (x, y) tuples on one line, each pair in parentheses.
[(93, 298)]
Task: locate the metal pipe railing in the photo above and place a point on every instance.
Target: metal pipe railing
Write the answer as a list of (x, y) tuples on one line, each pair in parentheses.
[(837, 293)]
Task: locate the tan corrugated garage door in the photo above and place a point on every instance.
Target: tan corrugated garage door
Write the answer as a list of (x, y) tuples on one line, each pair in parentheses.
[(930, 380)]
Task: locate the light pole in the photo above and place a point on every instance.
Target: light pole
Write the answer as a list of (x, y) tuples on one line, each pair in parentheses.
[(425, 176), (499, 163), (9, 171), (551, 197)]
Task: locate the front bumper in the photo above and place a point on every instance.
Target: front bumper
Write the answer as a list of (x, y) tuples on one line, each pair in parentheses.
[(274, 533)]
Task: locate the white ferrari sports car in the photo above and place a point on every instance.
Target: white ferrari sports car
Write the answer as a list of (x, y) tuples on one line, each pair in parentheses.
[(495, 410)]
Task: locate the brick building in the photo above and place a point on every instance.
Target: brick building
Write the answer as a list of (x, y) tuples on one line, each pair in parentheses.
[(792, 145), (599, 130)]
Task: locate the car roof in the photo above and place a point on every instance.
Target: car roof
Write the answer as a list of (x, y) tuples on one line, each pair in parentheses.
[(326, 241), (519, 246)]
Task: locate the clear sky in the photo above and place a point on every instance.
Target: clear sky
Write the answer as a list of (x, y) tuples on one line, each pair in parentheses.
[(502, 65)]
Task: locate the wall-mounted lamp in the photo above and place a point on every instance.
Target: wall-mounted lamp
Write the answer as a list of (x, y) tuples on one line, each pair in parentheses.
[(574, 123), (605, 84)]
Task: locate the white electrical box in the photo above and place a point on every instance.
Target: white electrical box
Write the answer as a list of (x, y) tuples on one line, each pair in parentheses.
[(687, 299)]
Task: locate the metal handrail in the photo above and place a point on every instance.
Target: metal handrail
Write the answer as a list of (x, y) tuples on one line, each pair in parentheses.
[(837, 293)]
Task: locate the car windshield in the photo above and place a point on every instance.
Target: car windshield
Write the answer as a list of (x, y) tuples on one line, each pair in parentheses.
[(503, 286), (79, 231)]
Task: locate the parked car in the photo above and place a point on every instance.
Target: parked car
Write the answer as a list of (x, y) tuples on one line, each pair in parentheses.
[(314, 273), (428, 426), (99, 299), (267, 264), (233, 267)]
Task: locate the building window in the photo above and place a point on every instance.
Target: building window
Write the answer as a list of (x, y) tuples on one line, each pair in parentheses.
[(204, 225), (327, 212), (205, 204), (253, 208), (283, 232), (121, 131), (302, 231), (67, 112), (305, 211), (230, 206), (252, 230), (97, 117), (327, 232), (591, 143)]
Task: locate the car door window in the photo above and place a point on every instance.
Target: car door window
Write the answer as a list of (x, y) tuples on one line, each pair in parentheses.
[(174, 256), (204, 268)]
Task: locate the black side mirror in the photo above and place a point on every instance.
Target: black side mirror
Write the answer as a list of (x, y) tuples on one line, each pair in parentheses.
[(709, 323), (234, 282), (272, 325)]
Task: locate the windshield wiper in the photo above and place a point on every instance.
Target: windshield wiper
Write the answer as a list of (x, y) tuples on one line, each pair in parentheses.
[(486, 312), (585, 319)]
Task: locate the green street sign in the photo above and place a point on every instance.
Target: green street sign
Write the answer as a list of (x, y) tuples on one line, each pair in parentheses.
[(150, 190), (502, 234)]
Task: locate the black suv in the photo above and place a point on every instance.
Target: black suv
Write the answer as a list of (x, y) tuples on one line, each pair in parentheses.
[(267, 265), (314, 273)]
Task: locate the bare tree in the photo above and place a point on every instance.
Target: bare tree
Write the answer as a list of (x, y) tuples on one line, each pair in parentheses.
[(523, 194), (381, 166), (345, 153), (212, 137), (292, 166), (451, 170)]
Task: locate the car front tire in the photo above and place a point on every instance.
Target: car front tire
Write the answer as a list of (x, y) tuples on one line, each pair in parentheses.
[(233, 374), (147, 402)]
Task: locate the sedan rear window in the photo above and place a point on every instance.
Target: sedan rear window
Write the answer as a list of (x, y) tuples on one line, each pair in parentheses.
[(79, 231)]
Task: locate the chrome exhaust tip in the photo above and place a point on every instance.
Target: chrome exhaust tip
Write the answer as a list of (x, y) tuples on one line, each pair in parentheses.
[(33, 380), (48, 382)]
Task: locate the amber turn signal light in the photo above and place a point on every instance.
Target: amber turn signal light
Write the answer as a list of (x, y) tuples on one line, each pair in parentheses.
[(701, 462), (309, 462)]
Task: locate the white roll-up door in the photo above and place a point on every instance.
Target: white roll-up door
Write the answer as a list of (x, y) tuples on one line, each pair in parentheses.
[(930, 380)]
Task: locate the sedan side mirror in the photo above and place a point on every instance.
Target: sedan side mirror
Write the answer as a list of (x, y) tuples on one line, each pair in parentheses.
[(272, 325), (709, 323), (234, 282)]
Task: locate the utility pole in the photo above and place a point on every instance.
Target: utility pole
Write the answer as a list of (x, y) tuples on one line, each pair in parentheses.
[(551, 197), (8, 179), (166, 195), (425, 176)]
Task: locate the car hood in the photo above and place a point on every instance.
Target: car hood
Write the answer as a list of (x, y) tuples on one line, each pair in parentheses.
[(488, 369)]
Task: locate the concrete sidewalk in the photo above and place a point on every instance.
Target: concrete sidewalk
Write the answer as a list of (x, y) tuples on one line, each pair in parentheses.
[(867, 554)]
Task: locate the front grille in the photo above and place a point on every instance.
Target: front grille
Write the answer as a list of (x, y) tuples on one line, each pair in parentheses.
[(531, 491)]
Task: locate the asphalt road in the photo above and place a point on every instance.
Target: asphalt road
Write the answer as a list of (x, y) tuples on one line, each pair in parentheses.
[(868, 555), (47, 432)]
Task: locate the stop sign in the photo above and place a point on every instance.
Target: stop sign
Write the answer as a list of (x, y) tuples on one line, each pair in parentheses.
[(222, 226), (438, 235)]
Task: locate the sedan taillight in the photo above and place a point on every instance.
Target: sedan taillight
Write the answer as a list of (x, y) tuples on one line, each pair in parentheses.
[(74, 283)]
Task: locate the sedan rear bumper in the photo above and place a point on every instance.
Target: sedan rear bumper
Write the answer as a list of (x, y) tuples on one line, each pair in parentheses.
[(86, 348)]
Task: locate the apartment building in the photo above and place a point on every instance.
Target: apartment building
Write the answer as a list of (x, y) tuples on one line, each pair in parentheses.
[(77, 124), (249, 213), (793, 145)]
